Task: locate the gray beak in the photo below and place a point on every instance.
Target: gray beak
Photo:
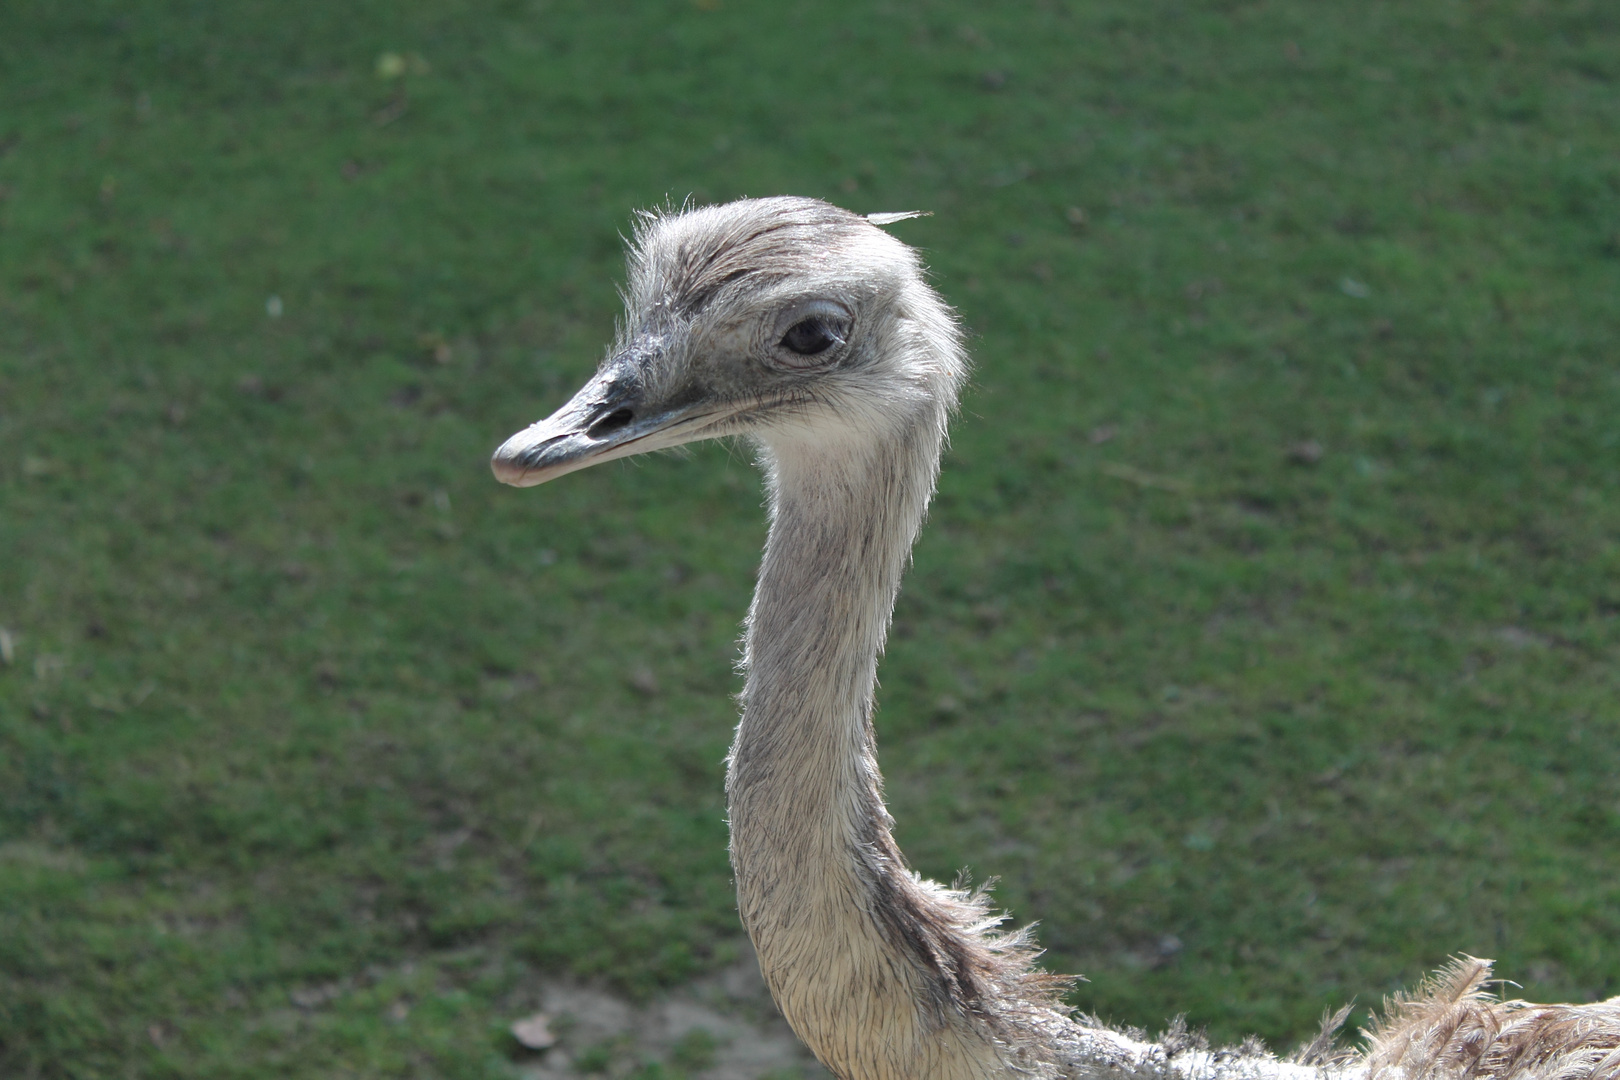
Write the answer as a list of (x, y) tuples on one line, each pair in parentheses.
[(607, 419), (601, 418)]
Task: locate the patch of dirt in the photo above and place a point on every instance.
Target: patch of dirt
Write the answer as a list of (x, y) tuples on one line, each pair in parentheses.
[(723, 1027)]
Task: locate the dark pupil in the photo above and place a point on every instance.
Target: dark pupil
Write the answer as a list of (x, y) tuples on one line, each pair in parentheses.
[(808, 338)]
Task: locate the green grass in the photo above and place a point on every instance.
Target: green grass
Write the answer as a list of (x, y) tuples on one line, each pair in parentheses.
[(318, 747)]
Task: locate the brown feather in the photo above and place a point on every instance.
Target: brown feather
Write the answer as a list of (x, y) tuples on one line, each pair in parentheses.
[(1453, 1027)]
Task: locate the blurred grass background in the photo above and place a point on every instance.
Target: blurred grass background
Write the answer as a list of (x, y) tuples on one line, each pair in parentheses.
[(1263, 640)]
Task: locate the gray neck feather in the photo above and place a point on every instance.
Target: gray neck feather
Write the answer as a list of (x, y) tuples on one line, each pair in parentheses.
[(884, 975), (876, 970)]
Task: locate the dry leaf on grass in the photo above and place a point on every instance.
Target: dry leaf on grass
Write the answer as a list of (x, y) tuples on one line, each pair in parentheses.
[(534, 1032)]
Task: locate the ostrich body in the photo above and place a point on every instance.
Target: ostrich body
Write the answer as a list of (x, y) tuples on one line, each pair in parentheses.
[(811, 331)]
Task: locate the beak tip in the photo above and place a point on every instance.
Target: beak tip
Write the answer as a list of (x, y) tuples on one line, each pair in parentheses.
[(508, 466), (506, 474)]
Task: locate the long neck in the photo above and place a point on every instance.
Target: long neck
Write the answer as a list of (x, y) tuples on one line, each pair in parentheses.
[(884, 975), (875, 969)]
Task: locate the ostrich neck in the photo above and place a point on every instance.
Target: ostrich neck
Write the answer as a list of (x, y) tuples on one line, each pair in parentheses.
[(883, 975), (803, 769), (804, 790), (848, 941)]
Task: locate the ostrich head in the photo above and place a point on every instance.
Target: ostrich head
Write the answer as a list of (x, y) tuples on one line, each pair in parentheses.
[(786, 319)]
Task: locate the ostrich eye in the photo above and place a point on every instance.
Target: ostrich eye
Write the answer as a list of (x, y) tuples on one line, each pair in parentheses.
[(809, 337)]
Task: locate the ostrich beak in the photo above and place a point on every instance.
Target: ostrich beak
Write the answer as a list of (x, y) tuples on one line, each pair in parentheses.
[(607, 419)]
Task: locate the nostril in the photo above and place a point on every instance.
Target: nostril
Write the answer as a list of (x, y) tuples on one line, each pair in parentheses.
[(610, 423)]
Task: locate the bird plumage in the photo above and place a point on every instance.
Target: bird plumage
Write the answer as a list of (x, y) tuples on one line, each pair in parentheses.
[(812, 332)]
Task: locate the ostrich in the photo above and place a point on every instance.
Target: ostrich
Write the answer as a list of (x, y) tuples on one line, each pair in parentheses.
[(812, 332)]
